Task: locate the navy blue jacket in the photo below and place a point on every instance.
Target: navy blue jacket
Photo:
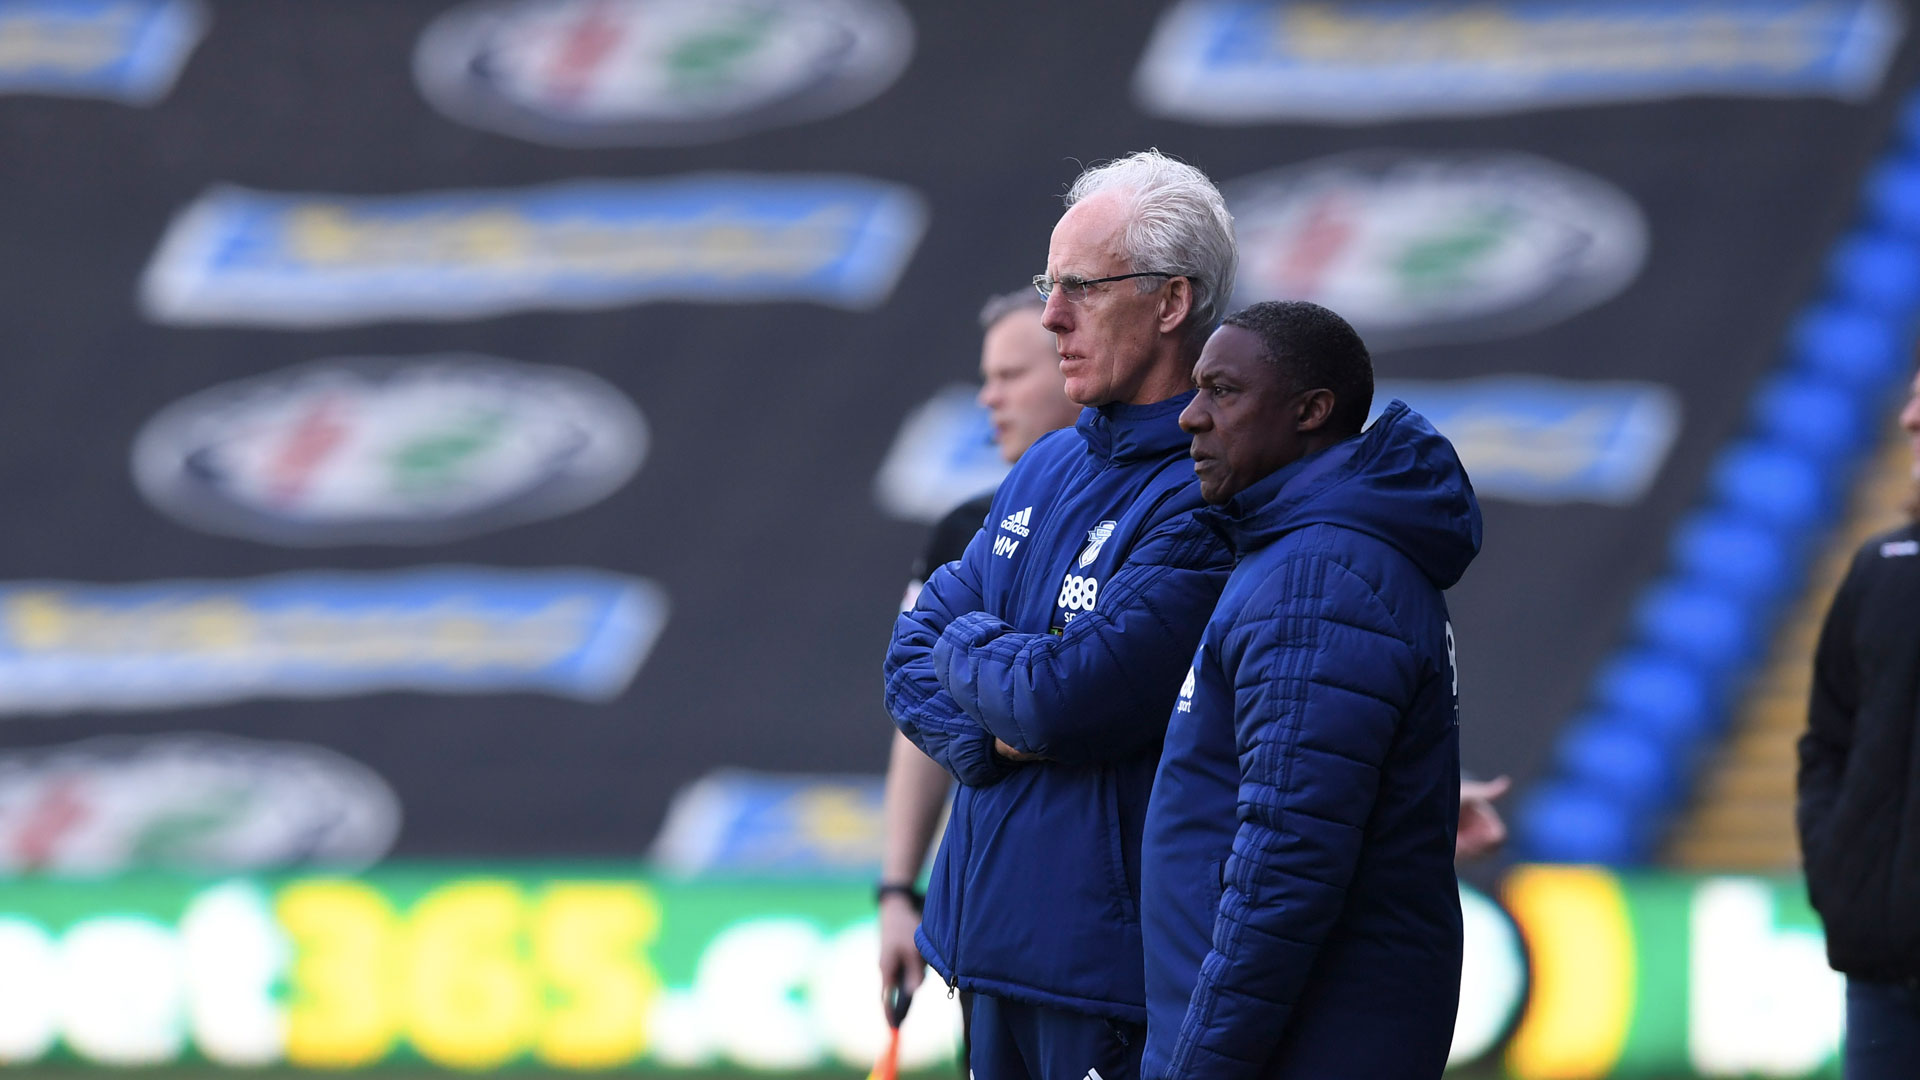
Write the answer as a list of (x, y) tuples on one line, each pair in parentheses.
[(1063, 632), (1301, 913)]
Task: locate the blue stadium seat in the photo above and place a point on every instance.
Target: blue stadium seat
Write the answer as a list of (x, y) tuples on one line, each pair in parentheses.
[(1698, 622), (1852, 345), (1575, 823), (1660, 694), (1734, 551), (1609, 753), (1893, 195), (1810, 413), (1780, 486), (1878, 272)]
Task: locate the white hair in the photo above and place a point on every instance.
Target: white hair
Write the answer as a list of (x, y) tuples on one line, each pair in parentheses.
[(1177, 222)]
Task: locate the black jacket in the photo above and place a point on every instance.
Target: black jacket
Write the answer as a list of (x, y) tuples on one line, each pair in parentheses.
[(1859, 809), (950, 537)]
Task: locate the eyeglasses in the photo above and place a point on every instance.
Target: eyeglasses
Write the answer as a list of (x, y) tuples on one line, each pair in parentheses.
[(1076, 290)]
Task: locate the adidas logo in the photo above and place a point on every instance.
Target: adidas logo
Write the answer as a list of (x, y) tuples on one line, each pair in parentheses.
[(1019, 524)]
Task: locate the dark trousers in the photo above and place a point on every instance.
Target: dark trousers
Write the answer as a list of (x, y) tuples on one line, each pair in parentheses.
[(1883, 1031), (1012, 1041)]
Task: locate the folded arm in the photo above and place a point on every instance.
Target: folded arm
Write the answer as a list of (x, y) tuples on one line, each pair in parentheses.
[(921, 708), (1101, 689)]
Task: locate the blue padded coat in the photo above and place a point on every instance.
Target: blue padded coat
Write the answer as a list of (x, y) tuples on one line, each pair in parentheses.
[(1301, 913), (1063, 632)]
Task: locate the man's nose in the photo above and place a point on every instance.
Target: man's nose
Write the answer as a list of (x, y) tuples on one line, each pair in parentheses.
[(1910, 416), (1193, 418), (1056, 316)]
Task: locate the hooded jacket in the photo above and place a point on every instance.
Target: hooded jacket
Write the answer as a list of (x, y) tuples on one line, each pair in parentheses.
[(1301, 914), (1060, 632), (1859, 783)]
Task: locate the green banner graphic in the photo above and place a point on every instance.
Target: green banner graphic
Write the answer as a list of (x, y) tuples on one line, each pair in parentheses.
[(452, 967), (1576, 972)]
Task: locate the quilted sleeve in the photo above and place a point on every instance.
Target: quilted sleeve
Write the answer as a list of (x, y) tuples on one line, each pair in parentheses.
[(923, 711), (1322, 678), (1102, 689)]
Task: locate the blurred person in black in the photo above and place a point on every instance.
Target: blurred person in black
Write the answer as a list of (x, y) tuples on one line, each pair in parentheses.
[(1025, 397), (1859, 805)]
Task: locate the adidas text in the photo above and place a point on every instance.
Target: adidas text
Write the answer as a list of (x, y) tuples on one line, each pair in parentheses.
[(1019, 524)]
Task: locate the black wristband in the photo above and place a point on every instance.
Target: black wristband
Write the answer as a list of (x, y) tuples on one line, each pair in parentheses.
[(914, 896)]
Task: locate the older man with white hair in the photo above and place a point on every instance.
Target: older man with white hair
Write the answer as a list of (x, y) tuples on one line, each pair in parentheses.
[(1041, 668)]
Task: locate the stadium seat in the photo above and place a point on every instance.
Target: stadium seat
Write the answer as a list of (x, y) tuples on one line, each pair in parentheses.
[(1878, 272), (1608, 752), (1811, 414), (1660, 694), (1734, 551), (1893, 196), (1698, 622), (1849, 344), (1781, 486), (1576, 823)]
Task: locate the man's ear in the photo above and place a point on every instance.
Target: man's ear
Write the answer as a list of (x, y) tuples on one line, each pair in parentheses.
[(1176, 304), (1316, 407)]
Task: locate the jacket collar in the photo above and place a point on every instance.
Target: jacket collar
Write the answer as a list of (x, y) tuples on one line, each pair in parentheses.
[(1400, 482), (1118, 434)]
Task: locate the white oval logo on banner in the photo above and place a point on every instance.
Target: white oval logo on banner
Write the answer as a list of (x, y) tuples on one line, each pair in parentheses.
[(1420, 248), (389, 451), (190, 799), (657, 72)]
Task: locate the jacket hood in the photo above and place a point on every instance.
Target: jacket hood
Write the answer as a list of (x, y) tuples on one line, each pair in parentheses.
[(1399, 481), (1124, 433)]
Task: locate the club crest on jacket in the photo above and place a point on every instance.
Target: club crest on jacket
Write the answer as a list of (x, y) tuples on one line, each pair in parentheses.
[(1096, 537)]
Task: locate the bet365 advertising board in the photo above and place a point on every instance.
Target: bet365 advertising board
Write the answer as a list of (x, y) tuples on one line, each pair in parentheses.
[(1571, 973)]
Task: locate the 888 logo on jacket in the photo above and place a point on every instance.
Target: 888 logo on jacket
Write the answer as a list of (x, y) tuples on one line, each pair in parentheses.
[(1081, 592), (1077, 594)]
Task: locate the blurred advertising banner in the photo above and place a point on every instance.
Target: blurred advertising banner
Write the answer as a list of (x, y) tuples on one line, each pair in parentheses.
[(657, 72), (942, 456), (1419, 248), (1524, 438), (575, 633), (364, 450), (1253, 61), (1531, 439), (129, 51), (737, 821), (236, 256), (567, 967), (202, 800), (1574, 973), (1656, 976)]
